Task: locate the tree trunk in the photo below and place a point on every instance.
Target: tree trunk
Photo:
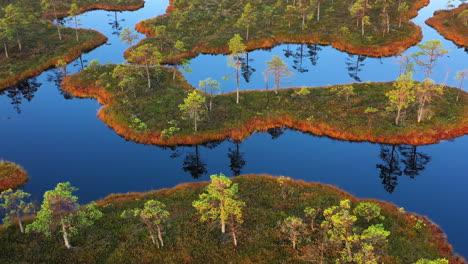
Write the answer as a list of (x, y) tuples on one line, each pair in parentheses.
[(6, 48), (247, 37), (20, 46), (397, 117), (421, 110), (148, 75), (76, 29), (362, 26), (234, 238), (58, 26), (211, 103), (20, 223), (173, 75), (65, 234), (237, 81), (294, 241), (277, 82), (318, 11), (160, 235), (195, 122)]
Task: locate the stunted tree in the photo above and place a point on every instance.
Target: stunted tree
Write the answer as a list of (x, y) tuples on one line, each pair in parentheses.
[(4, 35), (402, 96), (429, 54), (368, 211), (51, 6), (425, 93), (15, 206), (128, 36), (293, 227), (14, 21), (61, 210), (359, 11), (237, 48), (210, 87), (279, 70), (184, 64), (345, 91), (149, 56), (339, 221), (152, 215), (247, 19), (306, 9), (220, 203), (403, 12), (193, 107), (312, 213), (160, 33), (74, 12), (461, 75), (62, 66)]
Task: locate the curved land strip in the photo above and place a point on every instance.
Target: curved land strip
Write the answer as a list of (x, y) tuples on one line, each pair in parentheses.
[(451, 25), (321, 111), (41, 45), (12, 176), (115, 240), (206, 27)]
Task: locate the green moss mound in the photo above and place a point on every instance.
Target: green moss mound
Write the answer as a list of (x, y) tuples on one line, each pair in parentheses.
[(12, 176), (318, 110), (116, 240)]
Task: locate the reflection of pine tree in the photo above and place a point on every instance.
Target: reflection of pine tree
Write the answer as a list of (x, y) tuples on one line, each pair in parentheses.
[(313, 53), (390, 167), (237, 160), (275, 132), (246, 69), (23, 90), (355, 67), (115, 24), (194, 165), (299, 59), (56, 77), (414, 161)]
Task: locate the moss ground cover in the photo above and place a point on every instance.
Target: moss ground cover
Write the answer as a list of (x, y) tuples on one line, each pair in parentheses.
[(116, 240), (41, 47), (206, 26), (141, 114), (11, 175), (452, 24)]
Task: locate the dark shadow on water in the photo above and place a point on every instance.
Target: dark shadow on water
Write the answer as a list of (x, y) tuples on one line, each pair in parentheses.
[(25, 89), (56, 76), (115, 23), (194, 164), (354, 66), (398, 160), (246, 69), (237, 161)]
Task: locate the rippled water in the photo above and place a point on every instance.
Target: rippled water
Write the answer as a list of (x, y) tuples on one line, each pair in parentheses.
[(60, 139)]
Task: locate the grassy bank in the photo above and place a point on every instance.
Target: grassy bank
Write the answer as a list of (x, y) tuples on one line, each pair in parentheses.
[(319, 111), (12, 176), (116, 240), (449, 25), (206, 27), (41, 46)]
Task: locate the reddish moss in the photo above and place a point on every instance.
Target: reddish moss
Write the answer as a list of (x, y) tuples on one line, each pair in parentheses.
[(446, 23), (12, 176)]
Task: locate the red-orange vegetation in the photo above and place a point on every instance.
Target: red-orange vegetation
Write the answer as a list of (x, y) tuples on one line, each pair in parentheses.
[(68, 56), (12, 176), (446, 23)]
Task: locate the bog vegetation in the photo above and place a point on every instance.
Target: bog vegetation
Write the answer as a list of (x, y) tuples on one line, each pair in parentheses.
[(173, 112), (11, 175), (374, 28), (31, 43), (452, 24), (270, 220)]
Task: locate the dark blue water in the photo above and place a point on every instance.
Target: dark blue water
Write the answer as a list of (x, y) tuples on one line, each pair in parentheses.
[(57, 139)]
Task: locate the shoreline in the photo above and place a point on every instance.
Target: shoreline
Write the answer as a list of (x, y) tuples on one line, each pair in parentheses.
[(437, 22)]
